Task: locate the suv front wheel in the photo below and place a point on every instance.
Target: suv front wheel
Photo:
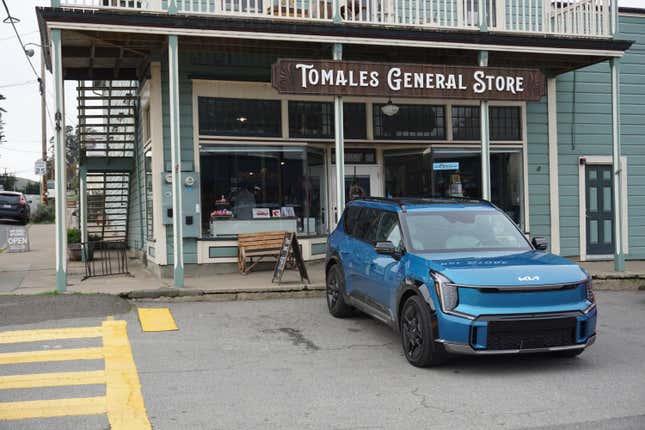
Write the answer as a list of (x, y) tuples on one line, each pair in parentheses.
[(335, 290), (417, 334)]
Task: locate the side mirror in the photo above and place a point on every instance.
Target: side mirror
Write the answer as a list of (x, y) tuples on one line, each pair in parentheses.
[(540, 243), (386, 248)]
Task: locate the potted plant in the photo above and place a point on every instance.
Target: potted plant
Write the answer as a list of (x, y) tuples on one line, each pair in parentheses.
[(74, 244)]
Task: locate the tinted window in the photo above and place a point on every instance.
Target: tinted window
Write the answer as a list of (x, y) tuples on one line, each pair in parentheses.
[(410, 122), (466, 123), (9, 198), (316, 120), (388, 229), (505, 123), (351, 218), (367, 224), (239, 117)]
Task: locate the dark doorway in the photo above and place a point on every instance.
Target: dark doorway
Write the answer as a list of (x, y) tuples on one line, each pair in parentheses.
[(600, 209)]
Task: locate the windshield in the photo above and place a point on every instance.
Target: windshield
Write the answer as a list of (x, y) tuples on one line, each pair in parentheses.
[(464, 230)]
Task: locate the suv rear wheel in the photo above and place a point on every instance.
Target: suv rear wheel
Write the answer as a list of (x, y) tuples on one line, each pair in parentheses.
[(335, 290), (417, 334)]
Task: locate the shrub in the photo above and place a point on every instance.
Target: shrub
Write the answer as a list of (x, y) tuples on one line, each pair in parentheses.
[(73, 235), (44, 215)]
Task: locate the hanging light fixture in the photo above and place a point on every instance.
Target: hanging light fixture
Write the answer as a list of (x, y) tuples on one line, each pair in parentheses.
[(390, 109)]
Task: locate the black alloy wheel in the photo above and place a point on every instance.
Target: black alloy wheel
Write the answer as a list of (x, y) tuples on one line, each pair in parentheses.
[(417, 335), (335, 288)]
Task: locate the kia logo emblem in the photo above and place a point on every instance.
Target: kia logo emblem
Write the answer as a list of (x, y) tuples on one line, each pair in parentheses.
[(529, 278)]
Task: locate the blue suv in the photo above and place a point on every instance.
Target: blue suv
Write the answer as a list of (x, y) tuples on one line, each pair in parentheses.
[(456, 276)]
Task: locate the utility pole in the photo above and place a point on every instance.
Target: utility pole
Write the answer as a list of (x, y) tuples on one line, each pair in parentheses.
[(43, 125)]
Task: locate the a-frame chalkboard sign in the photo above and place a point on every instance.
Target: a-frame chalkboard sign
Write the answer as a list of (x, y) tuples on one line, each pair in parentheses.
[(290, 255)]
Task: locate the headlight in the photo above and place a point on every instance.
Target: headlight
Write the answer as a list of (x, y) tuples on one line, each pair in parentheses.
[(448, 294), (590, 295)]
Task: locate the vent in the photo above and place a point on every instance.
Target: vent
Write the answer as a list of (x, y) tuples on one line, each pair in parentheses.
[(531, 334)]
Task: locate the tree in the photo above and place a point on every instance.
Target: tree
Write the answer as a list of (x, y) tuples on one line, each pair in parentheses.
[(8, 181), (72, 156), (2, 135)]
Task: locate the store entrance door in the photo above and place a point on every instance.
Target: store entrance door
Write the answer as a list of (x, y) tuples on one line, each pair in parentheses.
[(360, 181)]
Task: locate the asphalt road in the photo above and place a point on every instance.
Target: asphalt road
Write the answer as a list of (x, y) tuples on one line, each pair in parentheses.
[(287, 364)]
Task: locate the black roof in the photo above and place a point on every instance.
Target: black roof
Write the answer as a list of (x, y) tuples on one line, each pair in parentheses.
[(409, 201)]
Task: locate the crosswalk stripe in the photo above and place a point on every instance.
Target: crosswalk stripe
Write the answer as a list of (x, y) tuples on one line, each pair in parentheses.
[(125, 408), (22, 336), (53, 408), (58, 379), (51, 355)]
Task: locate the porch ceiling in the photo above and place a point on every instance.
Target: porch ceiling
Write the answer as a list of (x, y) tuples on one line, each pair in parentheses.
[(90, 55)]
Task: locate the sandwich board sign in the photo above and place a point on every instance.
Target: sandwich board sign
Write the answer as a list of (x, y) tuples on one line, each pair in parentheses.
[(17, 239)]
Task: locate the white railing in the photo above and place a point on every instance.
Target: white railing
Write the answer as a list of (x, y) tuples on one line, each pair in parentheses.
[(590, 18)]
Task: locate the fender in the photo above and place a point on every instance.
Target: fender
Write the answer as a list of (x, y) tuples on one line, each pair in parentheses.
[(415, 287)]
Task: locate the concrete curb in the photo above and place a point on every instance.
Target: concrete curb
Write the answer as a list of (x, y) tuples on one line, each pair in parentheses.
[(225, 294), (612, 281)]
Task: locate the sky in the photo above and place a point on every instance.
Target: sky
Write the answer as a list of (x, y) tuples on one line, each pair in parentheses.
[(18, 84)]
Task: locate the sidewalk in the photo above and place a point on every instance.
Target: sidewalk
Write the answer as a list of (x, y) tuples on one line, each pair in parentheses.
[(34, 273)]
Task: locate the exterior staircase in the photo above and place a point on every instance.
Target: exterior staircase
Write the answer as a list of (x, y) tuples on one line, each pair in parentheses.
[(107, 135)]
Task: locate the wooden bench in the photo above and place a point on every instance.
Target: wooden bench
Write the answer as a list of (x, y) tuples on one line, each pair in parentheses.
[(260, 245)]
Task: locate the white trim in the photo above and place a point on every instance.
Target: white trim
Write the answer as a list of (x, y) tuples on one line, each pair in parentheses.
[(554, 188), (582, 202), (525, 170), (157, 149), (633, 14), (287, 37)]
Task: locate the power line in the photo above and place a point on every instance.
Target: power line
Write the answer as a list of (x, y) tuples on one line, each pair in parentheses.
[(21, 84), (14, 36), (11, 20)]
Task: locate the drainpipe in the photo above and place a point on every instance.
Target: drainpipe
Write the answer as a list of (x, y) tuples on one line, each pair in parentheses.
[(339, 143), (619, 257), (175, 151)]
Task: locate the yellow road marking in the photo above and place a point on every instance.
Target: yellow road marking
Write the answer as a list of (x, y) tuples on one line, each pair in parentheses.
[(52, 408), (125, 407), (49, 334), (52, 379), (51, 355), (156, 319)]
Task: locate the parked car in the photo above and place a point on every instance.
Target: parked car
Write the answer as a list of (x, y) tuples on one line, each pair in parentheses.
[(14, 206), (456, 276)]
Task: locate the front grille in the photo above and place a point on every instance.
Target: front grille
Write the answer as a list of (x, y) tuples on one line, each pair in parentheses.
[(530, 334)]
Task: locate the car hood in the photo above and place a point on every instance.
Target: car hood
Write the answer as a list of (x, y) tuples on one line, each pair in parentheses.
[(504, 268)]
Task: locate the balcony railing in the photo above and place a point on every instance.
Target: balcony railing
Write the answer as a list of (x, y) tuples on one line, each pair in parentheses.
[(571, 18)]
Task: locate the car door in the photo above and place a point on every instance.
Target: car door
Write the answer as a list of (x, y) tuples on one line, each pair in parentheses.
[(364, 252), (347, 247), (385, 272)]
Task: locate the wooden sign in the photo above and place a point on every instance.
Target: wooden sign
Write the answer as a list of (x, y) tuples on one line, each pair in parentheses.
[(290, 255), (356, 78)]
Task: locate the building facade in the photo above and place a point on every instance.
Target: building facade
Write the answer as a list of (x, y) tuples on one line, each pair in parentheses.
[(231, 136)]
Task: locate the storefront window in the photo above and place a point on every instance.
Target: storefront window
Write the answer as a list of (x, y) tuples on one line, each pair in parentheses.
[(466, 123), (506, 183), (249, 189), (239, 117), (408, 173), (505, 123), (438, 173), (316, 120), (422, 122)]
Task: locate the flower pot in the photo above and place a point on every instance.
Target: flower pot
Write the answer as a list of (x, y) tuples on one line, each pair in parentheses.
[(74, 251)]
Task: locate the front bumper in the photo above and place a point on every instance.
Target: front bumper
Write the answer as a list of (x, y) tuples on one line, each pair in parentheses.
[(518, 333), (463, 348)]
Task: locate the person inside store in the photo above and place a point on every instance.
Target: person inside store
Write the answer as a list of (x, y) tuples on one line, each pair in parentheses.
[(243, 203)]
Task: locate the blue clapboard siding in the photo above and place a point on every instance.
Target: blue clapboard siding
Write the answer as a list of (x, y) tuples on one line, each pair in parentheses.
[(584, 129), (538, 166), (137, 193)]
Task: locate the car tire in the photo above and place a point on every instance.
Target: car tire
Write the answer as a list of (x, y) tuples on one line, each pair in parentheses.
[(418, 336), (335, 291)]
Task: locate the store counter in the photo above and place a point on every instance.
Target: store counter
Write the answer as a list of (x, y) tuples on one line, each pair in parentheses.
[(232, 227)]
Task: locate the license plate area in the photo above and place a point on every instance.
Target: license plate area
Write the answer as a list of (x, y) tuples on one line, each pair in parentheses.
[(531, 333)]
